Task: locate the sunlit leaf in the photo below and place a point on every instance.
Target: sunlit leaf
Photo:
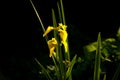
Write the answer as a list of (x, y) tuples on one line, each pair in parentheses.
[(91, 47), (118, 33), (105, 52), (110, 40)]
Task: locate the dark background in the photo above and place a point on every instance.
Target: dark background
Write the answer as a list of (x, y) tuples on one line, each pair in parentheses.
[(22, 33)]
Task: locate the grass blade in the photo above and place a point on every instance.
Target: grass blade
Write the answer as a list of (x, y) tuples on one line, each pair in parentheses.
[(68, 73), (54, 23), (37, 15), (59, 12), (104, 78), (97, 59), (62, 12), (39, 19), (45, 71)]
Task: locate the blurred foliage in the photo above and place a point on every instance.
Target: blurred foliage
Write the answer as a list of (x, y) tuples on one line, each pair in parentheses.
[(110, 59), (110, 49), (100, 59)]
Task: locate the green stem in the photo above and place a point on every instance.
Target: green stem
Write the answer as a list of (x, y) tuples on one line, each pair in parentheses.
[(97, 59), (104, 77), (55, 32), (37, 15), (46, 37), (62, 10), (56, 68), (45, 71), (61, 65), (59, 12)]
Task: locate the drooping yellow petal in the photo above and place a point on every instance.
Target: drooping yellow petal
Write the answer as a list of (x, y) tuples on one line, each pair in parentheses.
[(63, 35), (51, 51), (50, 28), (52, 45), (65, 46)]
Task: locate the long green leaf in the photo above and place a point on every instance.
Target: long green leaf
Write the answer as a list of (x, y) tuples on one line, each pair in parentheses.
[(39, 19), (62, 11), (97, 59), (61, 65), (55, 33), (69, 71), (37, 15), (104, 78), (59, 12), (54, 23), (45, 71)]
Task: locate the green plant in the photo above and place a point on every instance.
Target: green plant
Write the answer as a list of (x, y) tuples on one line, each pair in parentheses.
[(58, 47), (96, 53)]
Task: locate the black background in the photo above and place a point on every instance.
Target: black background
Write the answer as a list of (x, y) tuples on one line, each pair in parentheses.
[(22, 33)]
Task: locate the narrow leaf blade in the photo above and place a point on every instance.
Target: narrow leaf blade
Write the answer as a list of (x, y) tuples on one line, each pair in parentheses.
[(97, 59), (68, 73)]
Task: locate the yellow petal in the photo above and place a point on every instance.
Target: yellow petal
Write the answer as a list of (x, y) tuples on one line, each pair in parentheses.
[(51, 51), (64, 27), (65, 46), (63, 35), (50, 28), (52, 45)]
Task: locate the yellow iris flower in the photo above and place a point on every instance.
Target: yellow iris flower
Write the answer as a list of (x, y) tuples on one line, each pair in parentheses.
[(62, 26), (52, 45), (63, 35)]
